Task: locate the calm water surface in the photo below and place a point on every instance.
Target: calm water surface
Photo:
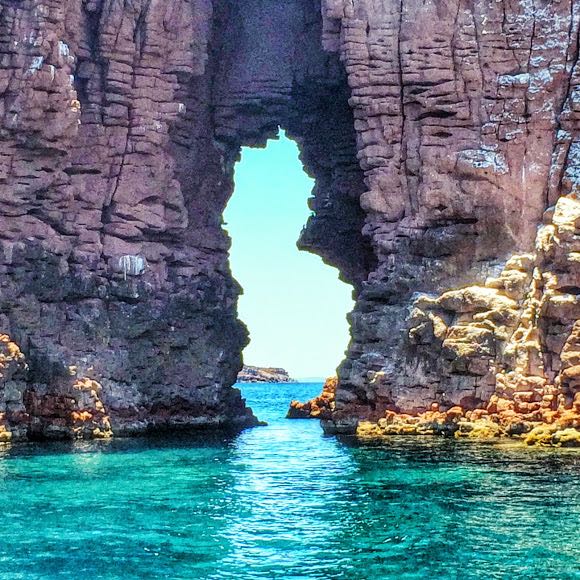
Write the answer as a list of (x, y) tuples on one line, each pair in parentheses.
[(284, 501)]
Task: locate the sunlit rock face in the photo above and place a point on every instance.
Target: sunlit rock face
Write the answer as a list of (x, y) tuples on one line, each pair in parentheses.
[(440, 135), (467, 131)]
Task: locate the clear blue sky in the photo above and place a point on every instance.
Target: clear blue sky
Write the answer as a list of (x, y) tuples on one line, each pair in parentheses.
[(293, 304)]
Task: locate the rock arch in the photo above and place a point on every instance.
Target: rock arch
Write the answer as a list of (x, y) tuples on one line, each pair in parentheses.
[(438, 134)]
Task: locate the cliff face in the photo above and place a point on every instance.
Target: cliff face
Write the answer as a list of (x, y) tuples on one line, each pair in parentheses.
[(467, 130), (440, 135), (120, 125)]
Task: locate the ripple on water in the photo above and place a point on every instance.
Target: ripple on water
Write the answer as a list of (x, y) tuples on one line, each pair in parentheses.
[(284, 501)]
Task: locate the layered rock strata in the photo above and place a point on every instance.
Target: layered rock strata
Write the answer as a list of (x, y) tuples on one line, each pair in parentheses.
[(111, 261), (518, 336), (440, 135), (120, 124), (467, 131)]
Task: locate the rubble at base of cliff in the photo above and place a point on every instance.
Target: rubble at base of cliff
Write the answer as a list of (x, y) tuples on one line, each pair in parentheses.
[(534, 418), (563, 430), (320, 407)]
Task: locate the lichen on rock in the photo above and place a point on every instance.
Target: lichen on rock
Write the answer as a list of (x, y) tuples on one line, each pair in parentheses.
[(507, 334)]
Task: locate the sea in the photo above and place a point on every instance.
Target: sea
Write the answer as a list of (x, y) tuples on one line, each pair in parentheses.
[(285, 501)]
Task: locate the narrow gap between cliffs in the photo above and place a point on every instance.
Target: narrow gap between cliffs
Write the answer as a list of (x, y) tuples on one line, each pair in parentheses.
[(293, 304)]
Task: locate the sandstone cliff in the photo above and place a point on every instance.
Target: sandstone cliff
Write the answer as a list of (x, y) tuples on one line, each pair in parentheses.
[(440, 134)]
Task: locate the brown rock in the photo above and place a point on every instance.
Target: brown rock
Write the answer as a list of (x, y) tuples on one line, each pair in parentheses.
[(440, 137), (320, 407)]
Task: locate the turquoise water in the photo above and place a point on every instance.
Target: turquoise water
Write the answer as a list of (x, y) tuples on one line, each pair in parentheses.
[(284, 501)]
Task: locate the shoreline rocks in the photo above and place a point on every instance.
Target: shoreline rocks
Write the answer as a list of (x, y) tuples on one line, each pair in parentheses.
[(535, 419), (73, 406), (560, 429), (320, 407)]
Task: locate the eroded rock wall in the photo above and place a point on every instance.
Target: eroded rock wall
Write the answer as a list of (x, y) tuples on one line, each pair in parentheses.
[(441, 134), (113, 261), (120, 124), (272, 72), (467, 130)]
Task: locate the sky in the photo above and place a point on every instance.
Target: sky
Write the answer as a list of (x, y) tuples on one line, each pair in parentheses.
[(293, 304)]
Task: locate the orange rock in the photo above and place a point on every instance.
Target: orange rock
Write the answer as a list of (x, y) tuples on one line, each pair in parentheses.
[(526, 396), (320, 407), (477, 414), (504, 405), (454, 413)]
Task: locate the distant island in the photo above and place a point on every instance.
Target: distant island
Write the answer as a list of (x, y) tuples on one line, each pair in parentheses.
[(250, 374)]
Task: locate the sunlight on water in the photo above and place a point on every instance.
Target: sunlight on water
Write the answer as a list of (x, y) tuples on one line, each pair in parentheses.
[(284, 501)]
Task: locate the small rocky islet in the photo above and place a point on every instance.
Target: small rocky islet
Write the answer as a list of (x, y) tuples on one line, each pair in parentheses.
[(253, 374)]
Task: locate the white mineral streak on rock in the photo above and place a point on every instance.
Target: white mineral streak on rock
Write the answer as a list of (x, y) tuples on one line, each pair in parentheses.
[(131, 265)]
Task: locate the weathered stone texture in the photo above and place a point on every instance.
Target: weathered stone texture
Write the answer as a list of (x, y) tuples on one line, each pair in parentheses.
[(467, 130), (111, 263), (320, 407), (440, 135), (120, 124)]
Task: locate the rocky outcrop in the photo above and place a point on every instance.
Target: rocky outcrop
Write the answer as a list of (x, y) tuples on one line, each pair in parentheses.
[(516, 336), (120, 124), (250, 374), (13, 417), (321, 407), (467, 130), (440, 135), (74, 411)]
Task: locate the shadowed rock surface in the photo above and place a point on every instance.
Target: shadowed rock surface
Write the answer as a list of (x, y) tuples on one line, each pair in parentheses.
[(440, 136), (120, 126)]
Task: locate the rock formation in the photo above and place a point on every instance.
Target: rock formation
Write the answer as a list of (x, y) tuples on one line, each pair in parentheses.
[(120, 125), (440, 134), (467, 125), (250, 374), (320, 407)]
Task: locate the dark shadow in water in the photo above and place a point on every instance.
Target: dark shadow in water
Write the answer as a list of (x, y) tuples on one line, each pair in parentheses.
[(152, 441)]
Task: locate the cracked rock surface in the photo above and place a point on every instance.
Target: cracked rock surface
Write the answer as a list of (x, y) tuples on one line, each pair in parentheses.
[(120, 123), (441, 135), (467, 132)]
